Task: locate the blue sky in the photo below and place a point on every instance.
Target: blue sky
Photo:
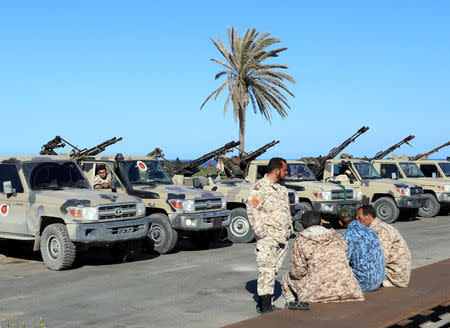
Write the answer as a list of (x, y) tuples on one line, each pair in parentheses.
[(92, 70)]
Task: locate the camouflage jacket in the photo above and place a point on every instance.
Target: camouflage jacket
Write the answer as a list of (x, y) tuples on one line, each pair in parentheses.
[(396, 254), (365, 256), (269, 211), (99, 181), (319, 267)]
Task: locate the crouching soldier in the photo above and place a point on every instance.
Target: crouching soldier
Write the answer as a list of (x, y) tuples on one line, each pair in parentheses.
[(396, 252), (319, 268)]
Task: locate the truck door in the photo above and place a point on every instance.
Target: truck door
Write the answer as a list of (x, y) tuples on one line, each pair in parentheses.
[(13, 206)]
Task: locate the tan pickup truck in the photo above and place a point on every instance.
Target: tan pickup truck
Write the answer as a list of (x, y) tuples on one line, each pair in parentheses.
[(47, 199)]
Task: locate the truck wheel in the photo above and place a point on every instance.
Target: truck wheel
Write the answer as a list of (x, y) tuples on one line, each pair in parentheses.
[(306, 207), (431, 207), (57, 250), (386, 209), (206, 239), (162, 236), (240, 231)]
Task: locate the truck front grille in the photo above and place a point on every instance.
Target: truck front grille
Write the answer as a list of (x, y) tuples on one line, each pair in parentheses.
[(339, 194), (416, 191), (116, 211), (203, 204)]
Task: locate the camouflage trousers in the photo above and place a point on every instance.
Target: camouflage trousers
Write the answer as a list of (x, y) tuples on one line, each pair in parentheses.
[(288, 288), (269, 256)]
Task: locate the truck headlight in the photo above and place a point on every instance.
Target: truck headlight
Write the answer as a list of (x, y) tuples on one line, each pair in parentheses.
[(140, 209), (325, 195), (224, 202), (404, 191), (185, 205), (84, 213), (444, 187), (359, 195)]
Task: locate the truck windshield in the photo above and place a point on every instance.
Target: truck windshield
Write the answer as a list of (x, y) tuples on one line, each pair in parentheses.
[(54, 175), (446, 168), (299, 172), (411, 170), (146, 172), (366, 170)]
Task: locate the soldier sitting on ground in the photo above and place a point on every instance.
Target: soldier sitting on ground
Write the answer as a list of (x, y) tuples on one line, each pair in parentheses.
[(365, 254), (396, 252), (319, 267), (102, 179)]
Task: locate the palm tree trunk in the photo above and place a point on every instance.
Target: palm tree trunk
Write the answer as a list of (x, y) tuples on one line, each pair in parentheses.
[(241, 130)]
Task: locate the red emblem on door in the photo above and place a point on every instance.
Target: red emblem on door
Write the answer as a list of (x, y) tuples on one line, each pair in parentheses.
[(4, 209)]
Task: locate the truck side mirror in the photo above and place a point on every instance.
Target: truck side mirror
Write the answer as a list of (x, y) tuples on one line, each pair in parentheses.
[(433, 175), (196, 183), (394, 176), (8, 189)]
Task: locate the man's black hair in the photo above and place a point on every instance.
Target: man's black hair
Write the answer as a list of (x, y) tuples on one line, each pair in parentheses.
[(275, 163), (310, 219), (368, 209), (101, 167)]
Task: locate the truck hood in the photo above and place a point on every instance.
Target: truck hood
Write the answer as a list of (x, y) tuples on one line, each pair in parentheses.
[(389, 183), (322, 186), (79, 197), (178, 191), (428, 181)]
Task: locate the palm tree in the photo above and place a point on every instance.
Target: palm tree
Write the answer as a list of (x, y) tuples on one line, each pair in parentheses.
[(249, 79)]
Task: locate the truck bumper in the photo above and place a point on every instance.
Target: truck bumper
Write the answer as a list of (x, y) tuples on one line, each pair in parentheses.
[(410, 201), (443, 197), (333, 207), (106, 232), (200, 221)]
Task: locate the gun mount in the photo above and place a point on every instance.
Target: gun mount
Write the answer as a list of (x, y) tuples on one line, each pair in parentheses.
[(384, 153), (317, 164), (432, 151), (57, 142), (156, 153), (237, 166), (76, 153), (190, 168)]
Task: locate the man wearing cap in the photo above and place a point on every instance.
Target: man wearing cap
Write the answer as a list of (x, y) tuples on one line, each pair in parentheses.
[(319, 267), (396, 252), (365, 254), (269, 214)]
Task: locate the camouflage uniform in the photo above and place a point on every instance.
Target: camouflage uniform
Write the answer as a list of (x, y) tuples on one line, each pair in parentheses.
[(99, 181), (365, 256), (319, 269), (396, 254), (270, 217), (341, 178)]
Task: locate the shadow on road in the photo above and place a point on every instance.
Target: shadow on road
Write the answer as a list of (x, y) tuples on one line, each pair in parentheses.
[(250, 286)]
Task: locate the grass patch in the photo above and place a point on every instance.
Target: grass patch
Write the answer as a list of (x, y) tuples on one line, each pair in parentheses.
[(15, 324)]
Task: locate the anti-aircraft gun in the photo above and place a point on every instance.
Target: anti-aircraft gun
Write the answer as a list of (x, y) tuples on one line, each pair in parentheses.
[(432, 151), (56, 142), (384, 153), (80, 155), (237, 166), (190, 168), (317, 164)]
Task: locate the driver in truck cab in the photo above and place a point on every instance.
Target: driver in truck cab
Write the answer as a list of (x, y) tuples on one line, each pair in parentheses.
[(102, 179)]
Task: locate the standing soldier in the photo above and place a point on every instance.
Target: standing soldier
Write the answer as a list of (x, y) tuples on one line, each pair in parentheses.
[(270, 217)]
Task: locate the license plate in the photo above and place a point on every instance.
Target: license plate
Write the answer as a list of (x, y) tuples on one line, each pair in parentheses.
[(125, 230), (217, 222)]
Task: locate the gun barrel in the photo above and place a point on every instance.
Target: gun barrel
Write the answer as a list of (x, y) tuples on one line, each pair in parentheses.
[(386, 152), (432, 151), (217, 152), (335, 151), (95, 150), (258, 152)]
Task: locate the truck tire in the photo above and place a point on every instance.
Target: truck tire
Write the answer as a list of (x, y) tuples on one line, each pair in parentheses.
[(206, 239), (306, 207), (386, 209), (240, 231), (57, 250), (162, 236), (431, 207)]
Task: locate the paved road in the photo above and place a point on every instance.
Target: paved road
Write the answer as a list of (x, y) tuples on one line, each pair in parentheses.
[(189, 288)]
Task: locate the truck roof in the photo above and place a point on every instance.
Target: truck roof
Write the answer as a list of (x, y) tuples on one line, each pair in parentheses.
[(125, 157), (28, 158)]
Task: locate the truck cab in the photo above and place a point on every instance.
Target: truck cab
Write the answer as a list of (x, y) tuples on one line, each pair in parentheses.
[(176, 211), (436, 190), (325, 198), (386, 195), (48, 200), (434, 168)]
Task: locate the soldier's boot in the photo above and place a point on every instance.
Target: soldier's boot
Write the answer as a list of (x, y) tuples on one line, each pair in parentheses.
[(265, 304)]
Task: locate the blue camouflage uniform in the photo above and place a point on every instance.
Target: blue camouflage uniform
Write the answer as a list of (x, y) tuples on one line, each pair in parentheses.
[(365, 256)]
